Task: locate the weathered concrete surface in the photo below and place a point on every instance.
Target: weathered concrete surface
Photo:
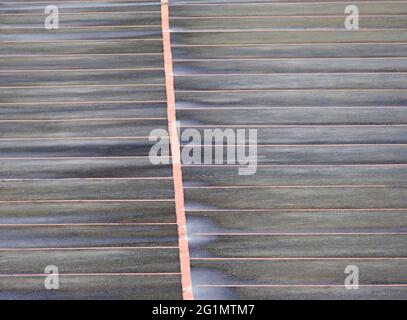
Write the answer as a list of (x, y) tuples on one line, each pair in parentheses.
[(77, 188), (329, 107)]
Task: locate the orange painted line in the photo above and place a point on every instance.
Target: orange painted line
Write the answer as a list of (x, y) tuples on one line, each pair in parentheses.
[(209, 75), (238, 45), (296, 285), (176, 156), (83, 40), (84, 13), (319, 30), (121, 274), (298, 210), (87, 179), (291, 125), (292, 90), (40, 225), (84, 86), (299, 234), (152, 3), (80, 55), (81, 120), (83, 158), (294, 3), (306, 145), (287, 108), (87, 27), (80, 70), (86, 248), (300, 165), (297, 258), (287, 58), (356, 186), (86, 201), (81, 102), (255, 17), (75, 138)]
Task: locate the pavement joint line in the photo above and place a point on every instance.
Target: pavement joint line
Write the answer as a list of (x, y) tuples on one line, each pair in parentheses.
[(81, 120), (290, 44), (87, 248), (87, 200), (300, 165), (294, 187), (256, 17), (307, 145), (110, 274), (79, 138), (79, 70), (297, 234), (119, 85), (296, 285), (103, 102), (84, 13), (309, 30), (107, 224), (396, 72), (295, 209), (291, 125), (292, 90), (83, 158), (286, 59), (84, 40), (254, 3), (294, 258), (89, 179), (80, 55)]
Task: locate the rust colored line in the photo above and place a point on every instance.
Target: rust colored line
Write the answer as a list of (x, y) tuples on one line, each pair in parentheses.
[(81, 41), (299, 165), (81, 70), (87, 179), (84, 248), (298, 210), (79, 55), (82, 13), (81, 120), (83, 158), (299, 234), (287, 108), (152, 3), (290, 125), (356, 186), (121, 274), (107, 224), (81, 102), (147, 85), (297, 258), (175, 151), (88, 27), (296, 285), (294, 3), (281, 16), (209, 75), (319, 145), (238, 45), (77, 138), (285, 59), (293, 90), (86, 201), (283, 30)]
